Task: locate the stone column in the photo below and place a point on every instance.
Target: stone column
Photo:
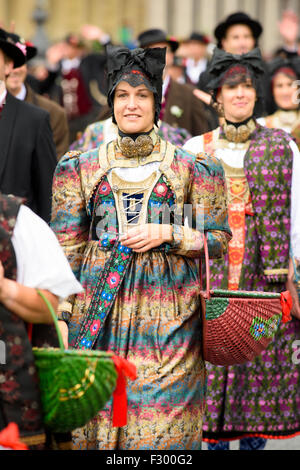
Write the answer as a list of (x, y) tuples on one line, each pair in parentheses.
[(75, 13), (207, 16), (251, 8), (107, 15), (66, 17), (23, 22), (40, 17), (294, 5), (182, 18), (271, 37), (4, 13), (156, 14), (230, 6), (58, 25)]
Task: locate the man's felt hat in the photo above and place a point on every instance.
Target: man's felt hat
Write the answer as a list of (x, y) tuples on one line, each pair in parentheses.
[(195, 36), (154, 36), (234, 19), (15, 52), (28, 47)]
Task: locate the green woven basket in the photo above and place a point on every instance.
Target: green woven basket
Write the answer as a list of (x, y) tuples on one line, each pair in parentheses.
[(75, 385)]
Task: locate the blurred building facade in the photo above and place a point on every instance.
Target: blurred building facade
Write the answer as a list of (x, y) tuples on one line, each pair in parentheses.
[(178, 17)]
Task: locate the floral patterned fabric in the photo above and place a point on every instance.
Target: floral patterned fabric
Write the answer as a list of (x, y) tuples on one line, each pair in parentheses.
[(260, 398), (289, 121), (154, 321), (113, 273), (268, 168), (94, 135)]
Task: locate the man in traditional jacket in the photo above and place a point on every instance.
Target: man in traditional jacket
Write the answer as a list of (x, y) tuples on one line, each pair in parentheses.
[(18, 87), (194, 50), (27, 151), (81, 75), (180, 107)]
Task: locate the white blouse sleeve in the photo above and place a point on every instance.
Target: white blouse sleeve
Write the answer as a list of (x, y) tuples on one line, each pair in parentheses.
[(295, 211), (261, 121), (41, 262), (194, 145)]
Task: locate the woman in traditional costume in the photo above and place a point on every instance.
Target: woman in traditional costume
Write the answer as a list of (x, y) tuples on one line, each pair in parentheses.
[(139, 269), (262, 169), (285, 90)]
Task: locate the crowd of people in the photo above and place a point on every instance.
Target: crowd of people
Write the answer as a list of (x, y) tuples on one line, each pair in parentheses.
[(99, 144)]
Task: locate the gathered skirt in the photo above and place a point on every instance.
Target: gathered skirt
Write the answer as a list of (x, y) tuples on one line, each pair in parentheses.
[(155, 323), (262, 397)]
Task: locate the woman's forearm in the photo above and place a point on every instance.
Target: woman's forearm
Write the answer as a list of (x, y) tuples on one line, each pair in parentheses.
[(26, 303)]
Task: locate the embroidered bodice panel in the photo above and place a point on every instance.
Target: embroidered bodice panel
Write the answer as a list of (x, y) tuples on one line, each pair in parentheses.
[(237, 185), (132, 194), (133, 191)]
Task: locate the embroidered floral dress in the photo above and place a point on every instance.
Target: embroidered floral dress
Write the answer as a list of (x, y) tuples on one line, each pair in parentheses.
[(289, 121), (154, 321), (259, 398)]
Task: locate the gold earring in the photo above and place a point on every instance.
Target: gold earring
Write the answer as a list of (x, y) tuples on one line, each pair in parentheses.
[(219, 108)]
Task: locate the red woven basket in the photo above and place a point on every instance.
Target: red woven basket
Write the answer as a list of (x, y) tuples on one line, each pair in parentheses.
[(239, 325)]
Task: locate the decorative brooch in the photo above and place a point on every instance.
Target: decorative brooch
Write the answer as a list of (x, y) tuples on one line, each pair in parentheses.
[(141, 147), (239, 134)]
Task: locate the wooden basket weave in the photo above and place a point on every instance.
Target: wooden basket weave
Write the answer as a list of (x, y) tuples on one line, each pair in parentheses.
[(238, 325)]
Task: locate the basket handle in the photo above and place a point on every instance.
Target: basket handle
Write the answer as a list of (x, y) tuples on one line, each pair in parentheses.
[(207, 269), (295, 267), (51, 310)]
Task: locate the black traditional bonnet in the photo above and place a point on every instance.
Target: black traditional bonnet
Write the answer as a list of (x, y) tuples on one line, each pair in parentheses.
[(289, 67), (280, 63), (136, 67), (226, 68)]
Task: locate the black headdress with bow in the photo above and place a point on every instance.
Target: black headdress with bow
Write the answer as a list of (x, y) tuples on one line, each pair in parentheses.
[(233, 69), (223, 61), (138, 66), (284, 63)]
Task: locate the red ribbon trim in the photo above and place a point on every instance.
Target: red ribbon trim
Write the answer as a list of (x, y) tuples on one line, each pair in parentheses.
[(286, 304), (29, 331), (249, 212), (124, 369), (10, 438)]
